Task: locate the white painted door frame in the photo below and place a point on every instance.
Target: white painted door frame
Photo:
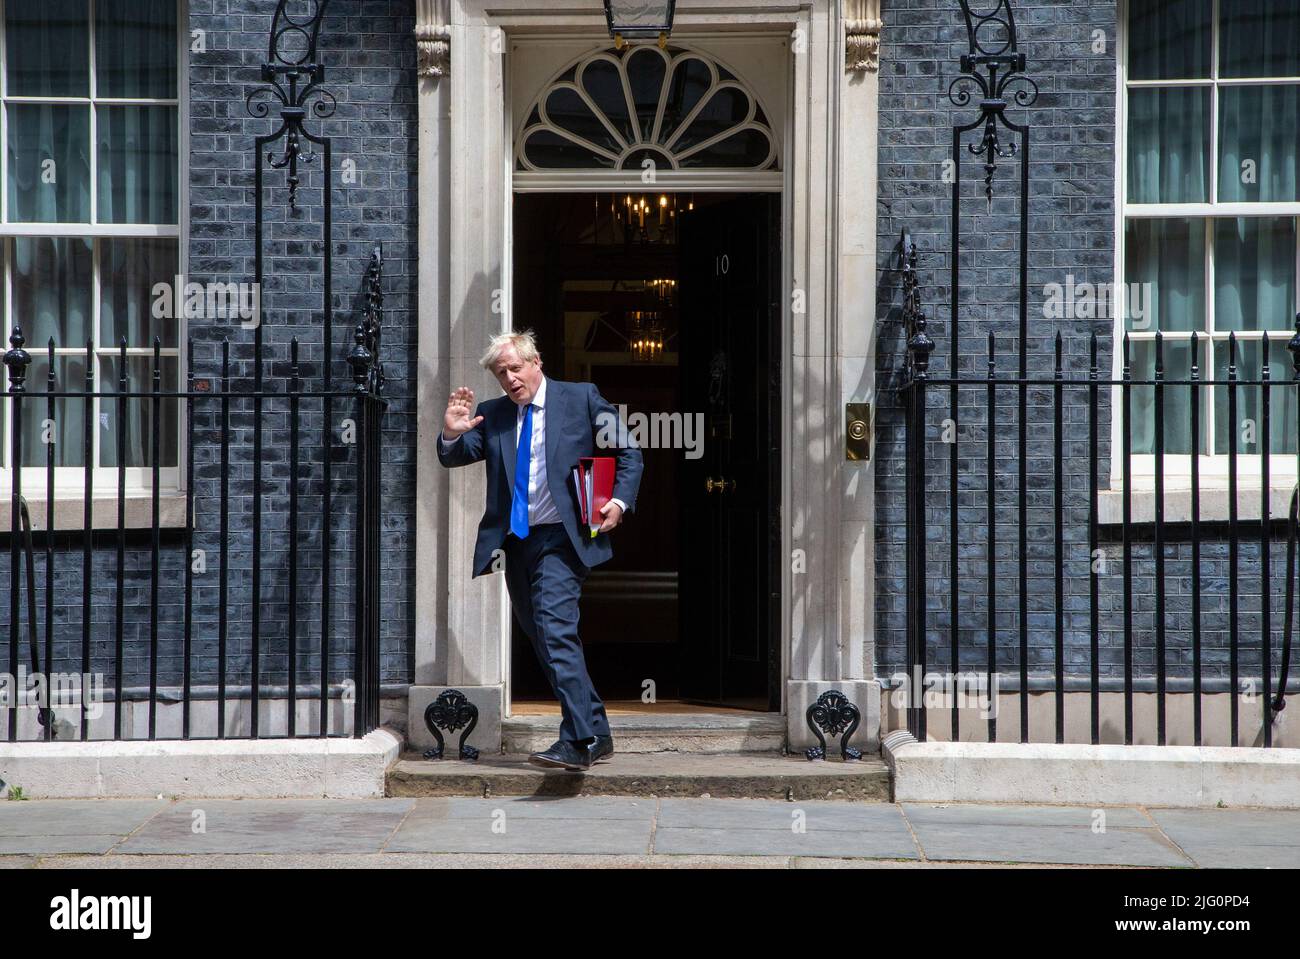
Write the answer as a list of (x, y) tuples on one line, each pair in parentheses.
[(828, 225)]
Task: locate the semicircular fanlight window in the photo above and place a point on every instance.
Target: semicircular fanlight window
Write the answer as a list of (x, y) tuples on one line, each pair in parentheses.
[(567, 110), (679, 108)]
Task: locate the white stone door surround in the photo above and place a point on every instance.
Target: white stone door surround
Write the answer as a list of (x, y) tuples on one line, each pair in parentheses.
[(828, 166)]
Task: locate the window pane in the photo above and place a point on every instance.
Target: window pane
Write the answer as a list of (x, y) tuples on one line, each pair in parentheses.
[(748, 148), (1259, 143), (135, 48), (726, 109), (1169, 39), (604, 84), (1249, 426), (691, 81), (47, 48), (49, 163), (1254, 273), (549, 150), (139, 411), (570, 112), (69, 430), (129, 268), (1177, 357), (1164, 273), (137, 164), (1169, 145), (52, 298), (1258, 38), (645, 77)]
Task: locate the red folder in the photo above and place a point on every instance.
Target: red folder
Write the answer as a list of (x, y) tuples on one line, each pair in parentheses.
[(594, 479)]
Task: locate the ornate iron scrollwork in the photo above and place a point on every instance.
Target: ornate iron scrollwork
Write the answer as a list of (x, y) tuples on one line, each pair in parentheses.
[(919, 343), (450, 711), (834, 714), (991, 37), (367, 370), (295, 79)]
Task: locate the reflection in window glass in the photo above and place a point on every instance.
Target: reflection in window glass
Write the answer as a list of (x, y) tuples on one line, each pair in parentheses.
[(135, 48), (1258, 38), (137, 164), (68, 432), (1165, 259), (47, 48), (1259, 143), (1249, 428), (1169, 39), (52, 290), (48, 163), (1176, 356), (1169, 145), (1254, 273), (139, 412)]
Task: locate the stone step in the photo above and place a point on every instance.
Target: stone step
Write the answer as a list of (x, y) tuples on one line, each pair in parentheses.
[(727, 775), (695, 732)]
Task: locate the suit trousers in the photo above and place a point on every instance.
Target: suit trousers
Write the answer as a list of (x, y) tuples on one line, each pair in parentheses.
[(544, 577)]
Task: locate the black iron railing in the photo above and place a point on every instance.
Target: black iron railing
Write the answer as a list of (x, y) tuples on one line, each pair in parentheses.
[(936, 508), (1028, 634), (139, 630), (243, 641)]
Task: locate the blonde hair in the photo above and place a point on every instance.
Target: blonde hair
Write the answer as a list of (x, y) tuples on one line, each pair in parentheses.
[(524, 343)]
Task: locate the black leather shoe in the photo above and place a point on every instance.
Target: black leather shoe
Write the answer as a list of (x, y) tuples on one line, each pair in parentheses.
[(602, 747), (563, 755)]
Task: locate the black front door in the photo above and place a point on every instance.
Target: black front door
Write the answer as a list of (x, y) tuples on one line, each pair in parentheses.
[(729, 585)]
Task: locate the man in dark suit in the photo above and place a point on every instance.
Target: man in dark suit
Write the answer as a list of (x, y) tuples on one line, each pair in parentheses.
[(532, 438)]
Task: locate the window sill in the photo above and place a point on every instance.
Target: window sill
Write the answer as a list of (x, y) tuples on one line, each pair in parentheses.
[(1178, 504), (70, 510)]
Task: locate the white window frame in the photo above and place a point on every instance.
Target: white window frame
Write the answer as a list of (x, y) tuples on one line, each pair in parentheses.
[(1213, 467), (69, 481)]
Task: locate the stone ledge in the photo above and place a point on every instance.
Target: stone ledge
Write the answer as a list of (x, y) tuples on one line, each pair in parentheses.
[(70, 510), (1178, 503), (332, 768), (1080, 774)]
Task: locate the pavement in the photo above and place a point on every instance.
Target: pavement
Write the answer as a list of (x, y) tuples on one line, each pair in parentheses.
[(618, 831)]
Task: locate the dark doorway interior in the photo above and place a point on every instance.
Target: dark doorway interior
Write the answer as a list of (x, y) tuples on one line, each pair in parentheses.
[(669, 303)]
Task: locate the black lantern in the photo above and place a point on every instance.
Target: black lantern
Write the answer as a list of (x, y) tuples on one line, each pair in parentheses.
[(639, 20)]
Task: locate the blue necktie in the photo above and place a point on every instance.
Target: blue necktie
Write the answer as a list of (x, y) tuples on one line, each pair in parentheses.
[(523, 460)]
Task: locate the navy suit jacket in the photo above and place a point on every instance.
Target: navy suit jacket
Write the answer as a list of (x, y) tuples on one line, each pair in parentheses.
[(576, 415)]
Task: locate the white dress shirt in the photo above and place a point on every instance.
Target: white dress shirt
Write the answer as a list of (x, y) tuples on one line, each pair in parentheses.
[(541, 507)]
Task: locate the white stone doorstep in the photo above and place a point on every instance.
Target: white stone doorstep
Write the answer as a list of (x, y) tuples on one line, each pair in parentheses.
[(1086, 775), (330, 768)]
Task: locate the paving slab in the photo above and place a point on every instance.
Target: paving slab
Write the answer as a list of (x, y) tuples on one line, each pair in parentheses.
[(674, 840), (76, 817), (1117, 846), (492, 829), (1234, 838), (40, 826), (1000, 815), (270, 826), (415, 861), (766, 814)]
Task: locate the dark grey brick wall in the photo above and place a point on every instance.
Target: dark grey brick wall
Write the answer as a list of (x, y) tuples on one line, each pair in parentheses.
[(1072, 231), (369, 53)]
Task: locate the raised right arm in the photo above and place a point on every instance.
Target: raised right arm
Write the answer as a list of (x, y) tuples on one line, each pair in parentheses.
[(467, 433)]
